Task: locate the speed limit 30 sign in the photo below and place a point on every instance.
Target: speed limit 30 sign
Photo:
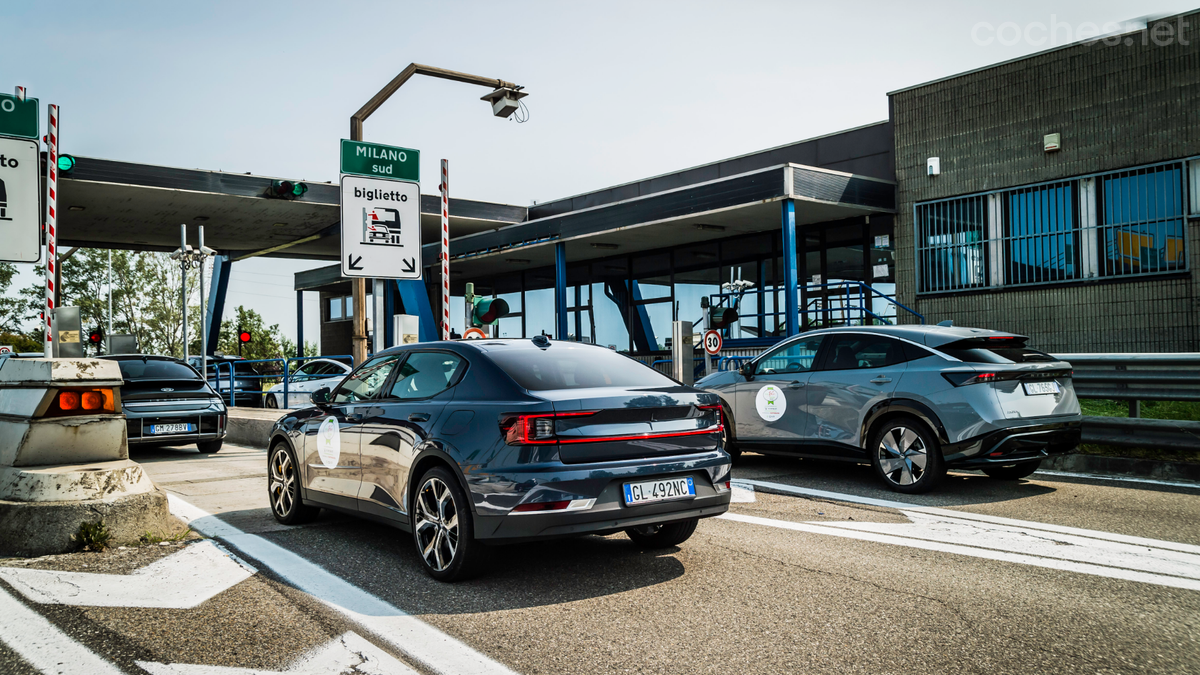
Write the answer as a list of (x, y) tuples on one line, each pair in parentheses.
[(712, 342)]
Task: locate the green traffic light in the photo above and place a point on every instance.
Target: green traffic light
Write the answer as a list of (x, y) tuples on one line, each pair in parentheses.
[(66, 162), (299, 188)]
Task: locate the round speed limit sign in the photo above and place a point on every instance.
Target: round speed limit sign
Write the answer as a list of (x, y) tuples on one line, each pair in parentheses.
[(712, 342)]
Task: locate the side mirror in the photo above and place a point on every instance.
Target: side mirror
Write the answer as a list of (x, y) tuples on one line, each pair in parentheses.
[(320, 396), (747, 371)]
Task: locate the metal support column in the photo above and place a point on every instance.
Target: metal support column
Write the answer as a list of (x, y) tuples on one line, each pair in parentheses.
[(560, 290), (415, 298), (389, 310), (216, 300), (790, 279), (299, 324)]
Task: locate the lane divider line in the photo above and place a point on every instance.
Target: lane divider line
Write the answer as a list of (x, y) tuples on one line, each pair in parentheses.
[(1119, 479), (42, 645), (783, 488), (1003, 556), (417, 640)]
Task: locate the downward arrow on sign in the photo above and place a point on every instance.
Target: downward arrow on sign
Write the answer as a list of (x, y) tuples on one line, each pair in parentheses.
[(354, 262), (178, 581), (408, 265)]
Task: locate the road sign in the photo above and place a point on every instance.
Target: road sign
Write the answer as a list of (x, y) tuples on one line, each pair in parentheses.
[(17, 117), (381, 228), (6, 349), (382, 161), (712, 342), (474, 334), (20, 226)]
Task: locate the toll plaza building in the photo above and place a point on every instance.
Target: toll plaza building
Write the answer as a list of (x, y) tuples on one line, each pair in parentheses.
[(1056, 195)]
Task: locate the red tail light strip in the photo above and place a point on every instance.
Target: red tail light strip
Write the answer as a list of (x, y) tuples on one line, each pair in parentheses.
[(517, 429)]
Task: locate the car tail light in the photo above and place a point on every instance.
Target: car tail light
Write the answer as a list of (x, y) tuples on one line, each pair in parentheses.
[(538, 429), (542, 506), (82, 402)]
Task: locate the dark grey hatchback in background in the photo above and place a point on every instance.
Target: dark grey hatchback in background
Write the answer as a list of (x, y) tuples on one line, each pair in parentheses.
[(911, 400)]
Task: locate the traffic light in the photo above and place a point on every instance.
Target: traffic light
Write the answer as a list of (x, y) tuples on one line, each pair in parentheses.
[(721, 317), (244, 336), (66, 163), (96, 337), (488, 311), (286, 189)]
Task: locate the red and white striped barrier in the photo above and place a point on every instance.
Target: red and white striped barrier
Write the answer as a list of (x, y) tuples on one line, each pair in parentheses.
[(51, 224), (445, 249)]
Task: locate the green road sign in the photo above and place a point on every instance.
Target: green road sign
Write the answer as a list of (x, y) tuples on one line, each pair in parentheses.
[(380, 161), (18, 118)]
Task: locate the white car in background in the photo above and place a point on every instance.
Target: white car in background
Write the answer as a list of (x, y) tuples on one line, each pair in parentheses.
[(304, 380)]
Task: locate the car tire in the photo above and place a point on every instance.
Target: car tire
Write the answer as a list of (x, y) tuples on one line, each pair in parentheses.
[(906, 456), (663, 535), (1012, 471), (283, 488), (209, 447), (271, 401), (443, 530)]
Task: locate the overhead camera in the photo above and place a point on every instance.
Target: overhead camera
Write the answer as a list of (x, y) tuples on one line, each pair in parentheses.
[(505, 100)]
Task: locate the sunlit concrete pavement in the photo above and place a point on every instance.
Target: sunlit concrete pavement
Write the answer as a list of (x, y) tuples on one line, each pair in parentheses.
[(793, 584)]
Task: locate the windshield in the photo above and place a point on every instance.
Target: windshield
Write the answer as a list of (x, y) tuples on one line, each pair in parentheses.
[(994, 351), (136, 369), (575, 367)]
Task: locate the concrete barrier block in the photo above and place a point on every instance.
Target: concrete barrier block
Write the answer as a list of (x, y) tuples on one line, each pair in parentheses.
[(62, 440), (44, 528), (60, 372), (100, 481)]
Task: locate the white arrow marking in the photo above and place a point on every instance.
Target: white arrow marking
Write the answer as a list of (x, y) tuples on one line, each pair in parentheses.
[(420, 642), (43, 646), (178, 581), (349, 653)]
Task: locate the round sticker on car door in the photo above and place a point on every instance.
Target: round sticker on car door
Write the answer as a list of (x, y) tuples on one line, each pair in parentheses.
[(329, 442), (770, 403)]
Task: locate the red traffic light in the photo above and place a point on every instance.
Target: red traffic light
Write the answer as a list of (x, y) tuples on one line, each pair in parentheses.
[(96, 337), (244, 336)]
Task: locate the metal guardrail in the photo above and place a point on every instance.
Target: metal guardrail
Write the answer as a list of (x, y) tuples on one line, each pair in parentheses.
[(223, 376), (1132, 432), (1136, 377)]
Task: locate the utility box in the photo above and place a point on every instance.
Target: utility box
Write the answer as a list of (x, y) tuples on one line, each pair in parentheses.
[(122, 344), (405, 329), (682, 359), (68, 333)]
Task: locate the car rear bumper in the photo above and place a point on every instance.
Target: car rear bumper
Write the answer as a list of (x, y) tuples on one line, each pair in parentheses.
[(210, 426), (609, 513), (1014, 445)]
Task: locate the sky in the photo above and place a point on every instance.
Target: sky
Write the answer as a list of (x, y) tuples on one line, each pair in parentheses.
[(617, 90)]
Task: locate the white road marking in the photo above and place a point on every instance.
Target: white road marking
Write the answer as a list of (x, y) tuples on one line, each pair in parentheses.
[(179, 581), (966, 515), (43, 645), (424, 644), (1121, 479), (349, 653), (990, 554)]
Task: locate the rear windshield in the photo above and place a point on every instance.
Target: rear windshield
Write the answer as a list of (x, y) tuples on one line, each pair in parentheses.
[(136, 369), (575, 367), (994, 351)]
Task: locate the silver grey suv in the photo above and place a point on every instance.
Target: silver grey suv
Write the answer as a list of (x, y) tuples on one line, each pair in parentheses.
[(912, 401)]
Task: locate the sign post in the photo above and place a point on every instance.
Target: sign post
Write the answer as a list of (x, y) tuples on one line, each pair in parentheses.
[(445, 254), (51, 224)]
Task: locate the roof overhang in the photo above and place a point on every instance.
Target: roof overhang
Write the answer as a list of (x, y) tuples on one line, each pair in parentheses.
[(111, 204), (717, 209)]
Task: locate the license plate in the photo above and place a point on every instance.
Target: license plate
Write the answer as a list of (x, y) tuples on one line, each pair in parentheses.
[(170, 428), (659, 491), (1036, 388)]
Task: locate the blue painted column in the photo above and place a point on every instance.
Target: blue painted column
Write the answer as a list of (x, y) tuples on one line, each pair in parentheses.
[(791, 282), (299, 324), (560, 290), (389, 309), (216, 300), (415, 300)]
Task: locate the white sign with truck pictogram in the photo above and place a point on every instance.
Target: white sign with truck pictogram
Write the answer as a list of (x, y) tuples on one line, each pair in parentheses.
[(381, 228), (20, 210)]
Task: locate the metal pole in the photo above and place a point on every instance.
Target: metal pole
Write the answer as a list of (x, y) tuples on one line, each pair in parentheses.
[(203, 333), (445, 249), (109, 332), (183, 265), (51, 225)]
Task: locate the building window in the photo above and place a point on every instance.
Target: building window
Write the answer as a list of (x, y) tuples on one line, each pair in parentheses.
[(1141, 217), (950, 244), (340, 308), (1117, 224)]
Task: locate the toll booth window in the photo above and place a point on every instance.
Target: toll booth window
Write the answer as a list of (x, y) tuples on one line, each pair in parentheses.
[(341, 308)]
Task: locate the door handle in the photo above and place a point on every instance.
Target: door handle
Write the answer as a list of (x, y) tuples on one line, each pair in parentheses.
[(881, 380), (355, 417), (795, 385), (418, 417)]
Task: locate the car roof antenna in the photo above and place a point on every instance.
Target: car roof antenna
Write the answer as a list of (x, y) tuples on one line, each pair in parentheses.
[(947, 323), (541, 341)]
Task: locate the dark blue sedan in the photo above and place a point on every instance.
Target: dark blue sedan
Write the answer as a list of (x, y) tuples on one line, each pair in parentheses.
[(504, 441)]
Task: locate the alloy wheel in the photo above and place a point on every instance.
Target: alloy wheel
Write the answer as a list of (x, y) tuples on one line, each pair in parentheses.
[(283, 482), (437, 524), (902, 456)]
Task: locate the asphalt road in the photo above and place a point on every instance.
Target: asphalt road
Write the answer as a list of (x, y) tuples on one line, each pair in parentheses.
[(1054, 574)]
